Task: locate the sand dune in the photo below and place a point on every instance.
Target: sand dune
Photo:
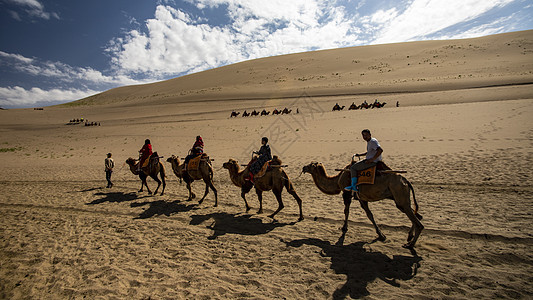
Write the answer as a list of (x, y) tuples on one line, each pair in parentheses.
[(465, 141)]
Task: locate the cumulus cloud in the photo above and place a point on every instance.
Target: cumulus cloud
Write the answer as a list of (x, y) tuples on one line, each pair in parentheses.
[(425, 17), (88, 81), (61, 71), (20, 97), (33, 8), (175, 42)]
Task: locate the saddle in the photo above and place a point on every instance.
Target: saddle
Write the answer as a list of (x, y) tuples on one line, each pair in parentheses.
[(368, 176), (263, 170), (194, 163)]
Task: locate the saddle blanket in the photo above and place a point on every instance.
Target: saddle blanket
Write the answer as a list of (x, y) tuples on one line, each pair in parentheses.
[(264, 169), (194, 163), (367, 176)]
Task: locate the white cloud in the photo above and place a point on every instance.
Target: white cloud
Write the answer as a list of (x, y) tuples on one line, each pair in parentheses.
[(175, 42), (33, 8), (424, 17), (61, 71), (20, 97)]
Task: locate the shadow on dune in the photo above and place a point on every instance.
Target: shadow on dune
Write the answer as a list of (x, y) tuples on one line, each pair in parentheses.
[(362, 266), (114, 197), (231, 223), (161, 207)]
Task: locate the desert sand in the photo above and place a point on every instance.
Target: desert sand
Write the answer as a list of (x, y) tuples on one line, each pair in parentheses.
[(463, 132)]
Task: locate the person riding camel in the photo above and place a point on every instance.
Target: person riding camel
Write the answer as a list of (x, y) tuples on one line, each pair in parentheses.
[(144, 153), (373, 156), (197, 149), (264, 155)]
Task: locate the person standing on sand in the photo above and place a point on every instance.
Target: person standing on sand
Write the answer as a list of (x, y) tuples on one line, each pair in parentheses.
[(109, 165), (373, 156)]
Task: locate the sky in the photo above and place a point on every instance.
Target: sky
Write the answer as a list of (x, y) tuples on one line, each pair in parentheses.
[(59, 51)]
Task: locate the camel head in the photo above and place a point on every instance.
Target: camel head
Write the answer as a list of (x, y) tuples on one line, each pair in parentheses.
[(311, 168), (131, 161), (231, 165), (174, 159)]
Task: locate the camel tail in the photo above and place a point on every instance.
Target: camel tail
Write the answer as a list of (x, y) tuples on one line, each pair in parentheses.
[(419, 216)]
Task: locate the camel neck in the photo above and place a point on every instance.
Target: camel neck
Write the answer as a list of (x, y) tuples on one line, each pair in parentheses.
[(327, 184)]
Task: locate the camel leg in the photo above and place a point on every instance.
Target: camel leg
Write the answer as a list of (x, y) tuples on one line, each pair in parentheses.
[(370, 216), (154, 177), (191, 194), (290, 190), (260, 198), (164, 182), (205, 194), (347, 197), (146, 184), (417, 226), (214, 191), (280, 203), (143, 182), (243, 195)]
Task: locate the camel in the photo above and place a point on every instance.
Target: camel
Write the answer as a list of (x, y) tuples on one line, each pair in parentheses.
[(286, 111), (234, 114), (337, 107), (204, 172), (255, 113), (353, 106), (274, 179), (265, 113), (387, 186), (276, 111), (378, 105), (245, 114), (154, 167)]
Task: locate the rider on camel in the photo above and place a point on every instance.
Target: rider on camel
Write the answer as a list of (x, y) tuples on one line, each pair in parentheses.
[(373, 156), (264, 156), (144, 153), (197, 149)]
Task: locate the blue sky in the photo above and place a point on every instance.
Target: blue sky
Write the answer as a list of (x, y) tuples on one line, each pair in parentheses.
[(58, 51)]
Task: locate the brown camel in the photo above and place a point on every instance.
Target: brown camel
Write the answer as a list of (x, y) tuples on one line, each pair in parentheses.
[(274, 179), (204, 172), (154, 167), (386, 186)]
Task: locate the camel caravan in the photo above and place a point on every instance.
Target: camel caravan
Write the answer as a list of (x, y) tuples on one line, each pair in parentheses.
[(264, 112), (366, 181), (363, 105)]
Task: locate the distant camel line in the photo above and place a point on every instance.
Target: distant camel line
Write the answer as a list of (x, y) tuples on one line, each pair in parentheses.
[(264, 112)]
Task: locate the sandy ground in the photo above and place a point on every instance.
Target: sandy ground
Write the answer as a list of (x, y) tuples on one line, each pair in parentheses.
[(467, 152)]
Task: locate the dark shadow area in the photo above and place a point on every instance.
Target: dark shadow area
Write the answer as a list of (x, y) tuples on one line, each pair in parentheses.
[(362, 266), (114, 197), (161, 207), (231, 223), (90, 190)]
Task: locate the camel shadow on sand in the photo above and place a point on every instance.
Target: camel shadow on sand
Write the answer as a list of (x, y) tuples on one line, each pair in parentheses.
[(362, 266), (116, 197), (223, 223), (161, 207)]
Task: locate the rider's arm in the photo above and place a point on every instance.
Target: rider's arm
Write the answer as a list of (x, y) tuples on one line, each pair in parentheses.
[(378, 153)]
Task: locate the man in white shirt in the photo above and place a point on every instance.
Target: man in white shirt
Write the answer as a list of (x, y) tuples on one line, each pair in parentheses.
[(109, 165), (372, 154)]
